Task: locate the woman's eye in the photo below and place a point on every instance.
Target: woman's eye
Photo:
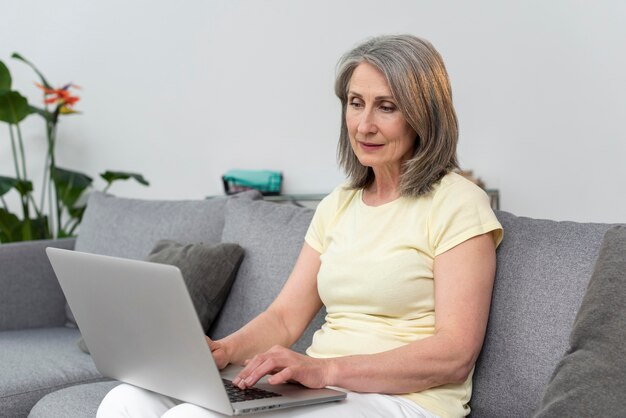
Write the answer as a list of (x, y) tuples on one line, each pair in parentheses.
[(356, 104), (387, 108)]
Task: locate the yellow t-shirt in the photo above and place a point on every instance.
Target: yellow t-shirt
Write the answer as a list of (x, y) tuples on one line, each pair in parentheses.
[(376, 273)]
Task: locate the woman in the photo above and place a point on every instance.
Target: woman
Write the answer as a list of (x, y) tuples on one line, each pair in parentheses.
[(402, 256)]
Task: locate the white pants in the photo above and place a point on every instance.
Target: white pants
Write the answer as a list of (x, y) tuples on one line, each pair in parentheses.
[(130, 401)]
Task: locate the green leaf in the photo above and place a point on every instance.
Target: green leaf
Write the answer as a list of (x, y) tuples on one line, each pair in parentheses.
[(10, 227), (30, 64), (77, 212), (13, 107), (5, 77), (63, 234), (111, 176), (39, 228), (70, 185), (24, 187), (6, 184), (34, 228)]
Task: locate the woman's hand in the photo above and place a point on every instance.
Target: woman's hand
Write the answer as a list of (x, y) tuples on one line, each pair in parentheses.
[(219, 352), (285, 365)]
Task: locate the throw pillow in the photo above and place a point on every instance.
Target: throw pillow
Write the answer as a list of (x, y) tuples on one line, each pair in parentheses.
[(208, 270), (590, 379)]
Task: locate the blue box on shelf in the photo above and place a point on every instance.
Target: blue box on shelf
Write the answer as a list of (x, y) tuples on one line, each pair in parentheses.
[(268, 182)]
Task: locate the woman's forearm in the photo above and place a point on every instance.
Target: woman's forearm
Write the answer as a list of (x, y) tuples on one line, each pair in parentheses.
[(412, 368)]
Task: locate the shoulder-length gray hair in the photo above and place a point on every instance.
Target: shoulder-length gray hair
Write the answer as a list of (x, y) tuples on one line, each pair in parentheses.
[(419, 84)]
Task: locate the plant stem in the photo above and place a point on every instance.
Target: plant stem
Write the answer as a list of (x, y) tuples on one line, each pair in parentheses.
[(57, 199), (73, 228), (45, 186), (26, 198), (20, 141), (15, 159), (32, 200), (50, 209), (44, 182)]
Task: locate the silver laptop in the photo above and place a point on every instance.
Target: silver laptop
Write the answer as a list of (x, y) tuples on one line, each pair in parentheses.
[(139, 323)]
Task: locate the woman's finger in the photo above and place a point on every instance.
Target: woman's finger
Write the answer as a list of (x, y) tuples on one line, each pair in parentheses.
[(212, 344)]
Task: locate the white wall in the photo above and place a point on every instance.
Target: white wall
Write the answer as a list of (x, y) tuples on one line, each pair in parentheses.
[(184, 91)]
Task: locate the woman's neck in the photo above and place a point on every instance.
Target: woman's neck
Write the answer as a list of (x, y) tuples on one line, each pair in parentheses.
[(384, 189)]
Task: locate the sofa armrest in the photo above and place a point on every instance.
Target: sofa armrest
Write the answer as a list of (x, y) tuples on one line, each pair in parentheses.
[(30, 295)]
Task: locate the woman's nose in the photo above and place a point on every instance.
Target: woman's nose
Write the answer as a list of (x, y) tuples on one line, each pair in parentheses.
[(367, 124)]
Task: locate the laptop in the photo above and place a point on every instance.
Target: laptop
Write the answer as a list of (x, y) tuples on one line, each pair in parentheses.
[(141, 327)]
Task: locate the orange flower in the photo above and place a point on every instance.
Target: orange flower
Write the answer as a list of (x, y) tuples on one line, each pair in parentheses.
[(62, 97)]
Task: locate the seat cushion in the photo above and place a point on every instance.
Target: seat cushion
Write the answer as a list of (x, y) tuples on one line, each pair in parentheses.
[(543, 268), (79, 401), (38, 361)]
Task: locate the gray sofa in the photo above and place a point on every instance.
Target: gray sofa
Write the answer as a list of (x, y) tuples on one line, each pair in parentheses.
[(542, 275)]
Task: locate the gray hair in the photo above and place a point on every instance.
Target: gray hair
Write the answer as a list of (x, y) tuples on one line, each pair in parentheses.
[(419, 83)]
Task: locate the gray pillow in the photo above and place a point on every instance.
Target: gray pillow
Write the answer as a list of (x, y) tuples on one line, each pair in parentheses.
[(208, 270), (590, 379)]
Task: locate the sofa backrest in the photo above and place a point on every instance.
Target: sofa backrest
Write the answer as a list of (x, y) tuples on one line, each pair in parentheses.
[(130, 228), (543, 268), (272, 236)]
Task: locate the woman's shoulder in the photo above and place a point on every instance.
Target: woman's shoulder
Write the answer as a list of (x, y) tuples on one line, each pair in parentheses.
[(455, 184), (339, 196)]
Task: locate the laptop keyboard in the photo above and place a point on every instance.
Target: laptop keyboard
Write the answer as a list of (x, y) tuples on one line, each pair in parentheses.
[(238, 395)]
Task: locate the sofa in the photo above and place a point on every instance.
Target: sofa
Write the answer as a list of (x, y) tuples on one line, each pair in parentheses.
[(543, 272)]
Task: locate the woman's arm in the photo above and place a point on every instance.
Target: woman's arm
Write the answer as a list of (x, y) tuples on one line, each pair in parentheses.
[(463, 284), (284, 320)]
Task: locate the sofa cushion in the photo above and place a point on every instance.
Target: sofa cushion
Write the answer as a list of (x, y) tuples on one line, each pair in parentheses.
[(591, 377), (30, 295), (81, 401), (130, 228), (272, 236), (36, 362), (208, 270), (543, 268)]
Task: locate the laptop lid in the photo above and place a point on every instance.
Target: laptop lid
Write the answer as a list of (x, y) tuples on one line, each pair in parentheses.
[(140, 325)]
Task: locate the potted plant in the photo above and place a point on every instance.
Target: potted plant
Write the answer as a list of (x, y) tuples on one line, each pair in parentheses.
[(59, 211)]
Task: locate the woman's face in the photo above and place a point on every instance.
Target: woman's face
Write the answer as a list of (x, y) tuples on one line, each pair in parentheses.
[(379, 134)]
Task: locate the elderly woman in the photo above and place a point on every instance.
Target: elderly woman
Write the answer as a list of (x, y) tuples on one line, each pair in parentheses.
[(402, 255)]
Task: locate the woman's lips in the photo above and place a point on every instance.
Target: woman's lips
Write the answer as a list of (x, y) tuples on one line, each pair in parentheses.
[(368, 146)]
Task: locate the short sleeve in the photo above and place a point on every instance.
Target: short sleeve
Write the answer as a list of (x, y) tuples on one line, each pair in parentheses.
[(315, 234), (460, 211), (324, 213)]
